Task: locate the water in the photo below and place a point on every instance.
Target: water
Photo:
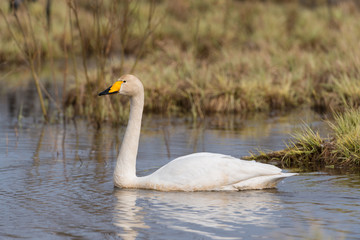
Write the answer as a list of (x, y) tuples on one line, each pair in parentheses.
[(56, 183)]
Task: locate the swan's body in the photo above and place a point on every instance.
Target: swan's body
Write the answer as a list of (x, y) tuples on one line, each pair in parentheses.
[(194, 172), (211, 171)]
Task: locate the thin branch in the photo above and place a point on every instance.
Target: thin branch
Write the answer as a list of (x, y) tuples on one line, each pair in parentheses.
[(72, 4)]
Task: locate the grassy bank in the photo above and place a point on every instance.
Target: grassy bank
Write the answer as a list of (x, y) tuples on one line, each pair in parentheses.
[(309, 151), (198, 57)]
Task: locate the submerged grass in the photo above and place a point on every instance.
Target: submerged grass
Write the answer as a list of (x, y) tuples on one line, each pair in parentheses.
[(198, 57), (308, 151)]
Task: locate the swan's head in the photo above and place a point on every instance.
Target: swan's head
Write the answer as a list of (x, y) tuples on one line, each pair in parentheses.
[(128, 85)]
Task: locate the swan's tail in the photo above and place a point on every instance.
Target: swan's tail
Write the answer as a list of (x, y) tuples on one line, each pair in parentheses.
[(262, 182)]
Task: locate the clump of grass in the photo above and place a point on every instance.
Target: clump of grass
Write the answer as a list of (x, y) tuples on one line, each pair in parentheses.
[(308, 151), (304, 151), (347, 134)]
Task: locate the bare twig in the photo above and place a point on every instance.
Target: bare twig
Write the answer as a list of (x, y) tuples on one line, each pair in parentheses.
[(73, 6), (28, 55)]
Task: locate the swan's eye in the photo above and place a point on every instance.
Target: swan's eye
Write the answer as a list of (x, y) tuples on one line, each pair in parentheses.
[(124, 81)]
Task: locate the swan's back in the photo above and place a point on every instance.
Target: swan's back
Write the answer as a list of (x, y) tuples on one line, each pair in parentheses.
[(210, 171)]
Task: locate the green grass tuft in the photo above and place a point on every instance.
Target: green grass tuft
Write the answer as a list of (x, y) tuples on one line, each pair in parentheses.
[(308, 151)]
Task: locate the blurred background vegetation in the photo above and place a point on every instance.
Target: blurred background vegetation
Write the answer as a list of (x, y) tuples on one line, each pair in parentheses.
[(194, 57)]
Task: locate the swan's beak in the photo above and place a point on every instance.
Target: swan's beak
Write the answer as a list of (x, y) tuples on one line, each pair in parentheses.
[(115, 88)]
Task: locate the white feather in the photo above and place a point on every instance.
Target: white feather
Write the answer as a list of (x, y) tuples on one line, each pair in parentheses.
[(212, 171)]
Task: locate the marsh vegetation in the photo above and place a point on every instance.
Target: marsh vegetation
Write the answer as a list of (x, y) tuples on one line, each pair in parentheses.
[(194, 57), (309, 151)]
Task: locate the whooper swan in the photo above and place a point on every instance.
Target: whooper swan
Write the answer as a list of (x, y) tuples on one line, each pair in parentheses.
[(195, 172)]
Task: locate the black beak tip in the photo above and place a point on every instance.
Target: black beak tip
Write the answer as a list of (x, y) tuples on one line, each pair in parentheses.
[(106, 91)]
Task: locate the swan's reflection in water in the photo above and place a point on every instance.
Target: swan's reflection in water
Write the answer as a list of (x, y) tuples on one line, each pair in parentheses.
[(216, 215)]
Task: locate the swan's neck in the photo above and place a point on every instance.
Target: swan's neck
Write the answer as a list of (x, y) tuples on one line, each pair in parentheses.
[(125, 169)]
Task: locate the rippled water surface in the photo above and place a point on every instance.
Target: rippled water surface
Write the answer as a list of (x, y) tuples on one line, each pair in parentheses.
[(56, 183)]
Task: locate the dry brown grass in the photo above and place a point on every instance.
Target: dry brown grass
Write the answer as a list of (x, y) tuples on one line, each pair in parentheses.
[(204, 57)]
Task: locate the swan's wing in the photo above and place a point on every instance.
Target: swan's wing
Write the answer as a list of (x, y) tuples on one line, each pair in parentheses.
[(200, 171)]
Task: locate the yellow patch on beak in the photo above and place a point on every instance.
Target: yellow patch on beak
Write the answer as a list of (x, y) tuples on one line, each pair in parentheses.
[(115, 87)]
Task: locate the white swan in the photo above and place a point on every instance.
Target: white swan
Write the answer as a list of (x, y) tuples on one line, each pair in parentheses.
[(194, 172)]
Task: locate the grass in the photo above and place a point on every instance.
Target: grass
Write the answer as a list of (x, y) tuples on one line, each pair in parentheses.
[(196, 57), (308, 151), (347, 132)]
